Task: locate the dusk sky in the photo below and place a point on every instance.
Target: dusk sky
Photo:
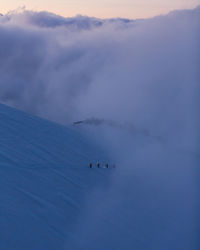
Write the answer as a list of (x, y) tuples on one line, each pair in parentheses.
[(101, 8)]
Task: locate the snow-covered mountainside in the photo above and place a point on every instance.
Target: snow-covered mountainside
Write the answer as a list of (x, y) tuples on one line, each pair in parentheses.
[(44, 181), (51, 199)]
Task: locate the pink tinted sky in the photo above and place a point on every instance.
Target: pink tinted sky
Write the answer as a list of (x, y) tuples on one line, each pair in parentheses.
[(101, 8)]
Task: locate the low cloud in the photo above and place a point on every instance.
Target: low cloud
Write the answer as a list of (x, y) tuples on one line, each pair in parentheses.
[(143, 72)]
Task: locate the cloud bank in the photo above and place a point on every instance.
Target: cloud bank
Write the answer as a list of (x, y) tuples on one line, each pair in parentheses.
[(143, 71)]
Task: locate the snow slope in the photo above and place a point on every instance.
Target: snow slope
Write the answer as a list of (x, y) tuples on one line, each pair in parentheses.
[(50, 199), (44, 181)]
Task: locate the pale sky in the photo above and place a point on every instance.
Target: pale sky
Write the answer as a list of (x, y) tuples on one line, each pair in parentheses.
[(101, 8)]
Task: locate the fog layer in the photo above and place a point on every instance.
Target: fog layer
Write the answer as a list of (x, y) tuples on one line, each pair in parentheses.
[(63, 69)]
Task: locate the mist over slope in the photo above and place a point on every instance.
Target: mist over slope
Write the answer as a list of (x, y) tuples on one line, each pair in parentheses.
[(51, 199), (146, 70)]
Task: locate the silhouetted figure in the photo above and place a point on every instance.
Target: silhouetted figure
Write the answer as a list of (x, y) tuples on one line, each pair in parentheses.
[(98, 164), (106, 165), (90, 165)]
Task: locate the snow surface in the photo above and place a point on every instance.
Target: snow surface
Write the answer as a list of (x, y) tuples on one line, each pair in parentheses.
[(51, 199), (44, 181)]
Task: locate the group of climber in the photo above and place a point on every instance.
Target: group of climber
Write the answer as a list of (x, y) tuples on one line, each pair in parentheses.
[(98, 165)]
